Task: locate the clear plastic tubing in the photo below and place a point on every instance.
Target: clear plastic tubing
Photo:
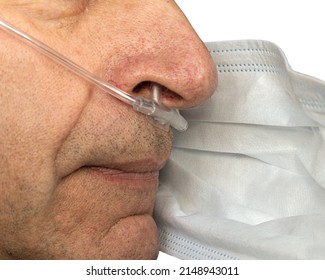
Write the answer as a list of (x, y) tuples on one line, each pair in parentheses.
[(162, 116)]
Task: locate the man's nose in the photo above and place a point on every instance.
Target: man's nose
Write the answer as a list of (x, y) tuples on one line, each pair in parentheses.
[(163, 48)]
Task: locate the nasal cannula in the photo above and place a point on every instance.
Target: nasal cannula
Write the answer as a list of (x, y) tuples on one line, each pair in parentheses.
[(162, 116)]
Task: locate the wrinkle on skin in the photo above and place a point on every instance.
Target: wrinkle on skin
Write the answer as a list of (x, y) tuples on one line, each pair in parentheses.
[(49, 10), (58, 133)]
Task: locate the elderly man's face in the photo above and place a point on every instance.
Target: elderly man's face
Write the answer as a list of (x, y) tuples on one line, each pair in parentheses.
[(78, 168)]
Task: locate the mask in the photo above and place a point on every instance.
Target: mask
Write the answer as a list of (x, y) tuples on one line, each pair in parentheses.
[(246, 181)]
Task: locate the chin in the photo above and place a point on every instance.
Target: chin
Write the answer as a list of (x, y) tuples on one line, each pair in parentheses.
[(133, 238)]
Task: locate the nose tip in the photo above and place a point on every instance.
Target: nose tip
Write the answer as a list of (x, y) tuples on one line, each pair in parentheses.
[(186, 73), (194, 78), (168, 53)]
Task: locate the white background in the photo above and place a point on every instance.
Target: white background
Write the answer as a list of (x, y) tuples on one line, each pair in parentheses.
[(297, 27)]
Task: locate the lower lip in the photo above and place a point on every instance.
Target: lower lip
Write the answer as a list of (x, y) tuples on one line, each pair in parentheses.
[(121, 175)]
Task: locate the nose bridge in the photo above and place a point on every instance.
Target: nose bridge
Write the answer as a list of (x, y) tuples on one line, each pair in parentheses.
[(162, 47)]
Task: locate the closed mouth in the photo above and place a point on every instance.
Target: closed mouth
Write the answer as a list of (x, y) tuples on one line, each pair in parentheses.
[(120, 174)]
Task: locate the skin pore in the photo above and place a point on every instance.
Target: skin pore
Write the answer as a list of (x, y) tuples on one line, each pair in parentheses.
[(78, 168)]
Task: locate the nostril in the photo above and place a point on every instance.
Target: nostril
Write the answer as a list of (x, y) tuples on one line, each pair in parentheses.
[(171, 95), (168, 97), (143, 86)]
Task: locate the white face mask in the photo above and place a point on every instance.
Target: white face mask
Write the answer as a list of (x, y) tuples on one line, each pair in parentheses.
[(247, 180)]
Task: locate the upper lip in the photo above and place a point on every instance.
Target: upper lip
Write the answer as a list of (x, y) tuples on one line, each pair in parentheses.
[(136, 152), (144, 164)]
